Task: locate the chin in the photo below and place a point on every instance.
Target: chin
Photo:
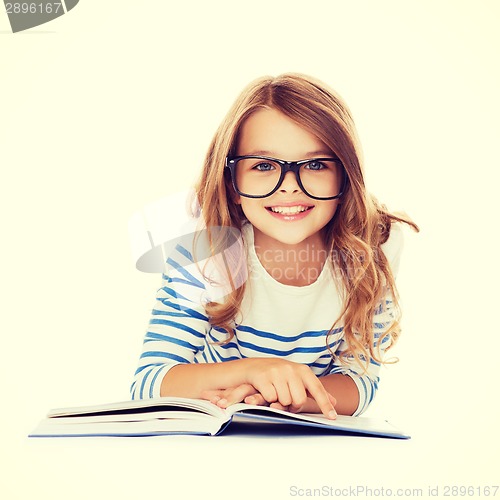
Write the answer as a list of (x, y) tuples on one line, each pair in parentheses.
[(291, 239)]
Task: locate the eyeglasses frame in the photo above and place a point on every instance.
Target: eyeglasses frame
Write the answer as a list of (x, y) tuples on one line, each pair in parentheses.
[(286, 166)]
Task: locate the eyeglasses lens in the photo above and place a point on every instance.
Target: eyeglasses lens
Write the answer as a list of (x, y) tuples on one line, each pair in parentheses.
[(259, 177)]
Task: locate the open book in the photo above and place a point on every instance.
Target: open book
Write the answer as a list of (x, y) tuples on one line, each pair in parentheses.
[(168, 415)]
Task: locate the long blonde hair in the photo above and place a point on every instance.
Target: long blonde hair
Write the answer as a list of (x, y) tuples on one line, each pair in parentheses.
[(357, 230)]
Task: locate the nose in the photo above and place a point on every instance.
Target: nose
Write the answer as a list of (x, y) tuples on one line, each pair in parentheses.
[(290, 184)]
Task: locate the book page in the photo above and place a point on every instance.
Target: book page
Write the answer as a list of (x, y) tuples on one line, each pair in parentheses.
[(144, 405), (342, 422), (50, 427)]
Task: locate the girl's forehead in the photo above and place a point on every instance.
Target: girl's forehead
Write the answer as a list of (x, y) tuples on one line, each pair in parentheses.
[(269, 132)]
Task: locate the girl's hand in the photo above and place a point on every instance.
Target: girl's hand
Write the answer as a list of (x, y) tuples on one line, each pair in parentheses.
[(310, 405), (289, 384), (231, 395)]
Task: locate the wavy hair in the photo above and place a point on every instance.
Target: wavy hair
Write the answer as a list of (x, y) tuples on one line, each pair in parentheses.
[(357, 230)]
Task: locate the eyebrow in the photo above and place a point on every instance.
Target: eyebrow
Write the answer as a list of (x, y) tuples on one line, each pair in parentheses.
[(321, 152)]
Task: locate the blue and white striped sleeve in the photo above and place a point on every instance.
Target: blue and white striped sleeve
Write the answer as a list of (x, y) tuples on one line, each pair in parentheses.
[(384, 316), (367, 382), (177, 327)]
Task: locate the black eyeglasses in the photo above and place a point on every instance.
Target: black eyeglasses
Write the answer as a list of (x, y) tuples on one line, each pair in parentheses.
[(261, 176)]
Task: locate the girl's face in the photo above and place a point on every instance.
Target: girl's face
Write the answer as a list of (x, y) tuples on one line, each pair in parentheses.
[(281, 218)]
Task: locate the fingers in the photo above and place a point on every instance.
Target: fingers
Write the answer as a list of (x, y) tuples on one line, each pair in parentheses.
[(256, 399), (283, 393), (324, 400), (283, 385), (212, 395), (226, 397), (268, 392), (298, 395), (296, 398), (301, 383), (234, 395), (279, 406), (289, 384)]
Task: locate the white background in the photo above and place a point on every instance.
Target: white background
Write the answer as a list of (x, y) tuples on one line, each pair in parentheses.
[(113, 106)]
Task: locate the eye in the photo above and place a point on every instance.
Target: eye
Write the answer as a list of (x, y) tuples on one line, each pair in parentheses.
[(264, 167), (315, 165)]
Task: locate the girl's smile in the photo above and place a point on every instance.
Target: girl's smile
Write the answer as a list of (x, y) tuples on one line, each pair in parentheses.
[(290, 211)]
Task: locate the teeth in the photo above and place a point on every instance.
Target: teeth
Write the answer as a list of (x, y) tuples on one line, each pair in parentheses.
[(288, 210)]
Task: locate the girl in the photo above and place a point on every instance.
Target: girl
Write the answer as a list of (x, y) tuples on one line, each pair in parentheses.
[(308, 316)]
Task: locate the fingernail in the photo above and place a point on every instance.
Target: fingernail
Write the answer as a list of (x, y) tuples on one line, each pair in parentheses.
[(222, 402), (332, 414)]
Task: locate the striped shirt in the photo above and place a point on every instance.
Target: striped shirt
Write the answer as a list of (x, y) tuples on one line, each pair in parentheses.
[(276, 320)]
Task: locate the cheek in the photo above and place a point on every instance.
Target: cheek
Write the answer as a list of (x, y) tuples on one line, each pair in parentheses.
[(330, 209), (252, 209), (246, 206)]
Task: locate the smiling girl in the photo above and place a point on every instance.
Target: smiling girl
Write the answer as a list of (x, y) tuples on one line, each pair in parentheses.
[(307, 328)]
